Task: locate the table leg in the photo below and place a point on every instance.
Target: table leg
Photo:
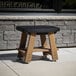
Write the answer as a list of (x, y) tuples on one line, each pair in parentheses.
[(53, 46), (30, 47), (22, 44), (44, 44)]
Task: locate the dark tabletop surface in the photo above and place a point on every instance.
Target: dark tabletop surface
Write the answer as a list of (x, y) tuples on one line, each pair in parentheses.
[(38, 29)]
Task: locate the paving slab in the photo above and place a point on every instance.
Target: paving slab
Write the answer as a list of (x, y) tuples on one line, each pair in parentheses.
[(5, 70)]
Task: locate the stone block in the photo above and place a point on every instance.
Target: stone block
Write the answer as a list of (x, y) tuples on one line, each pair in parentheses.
[(51, 23), (61, 45), (65, 32), (56, 22), (42, 22), (72, 45), (64, 27), (6, 27), (58, 35), (3, 44), (68, 39), (24, 23), (75, 37), (1, 35), (12, 35), (7, 22), (72, 22), (13, 44), (71, 27), (73, 31), (59, 40)]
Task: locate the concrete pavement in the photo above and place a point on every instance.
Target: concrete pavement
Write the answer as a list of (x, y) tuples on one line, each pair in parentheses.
[(65, 65)]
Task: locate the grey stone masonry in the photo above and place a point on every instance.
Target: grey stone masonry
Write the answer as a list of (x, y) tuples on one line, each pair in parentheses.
[(10, 37)]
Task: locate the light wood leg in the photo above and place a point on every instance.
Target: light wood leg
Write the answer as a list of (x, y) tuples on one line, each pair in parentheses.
[(28, 55), (53, 46), (44, 44), (22, 43), (43, 41)]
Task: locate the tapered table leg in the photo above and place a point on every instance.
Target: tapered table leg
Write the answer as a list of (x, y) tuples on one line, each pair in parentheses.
[(28, 55), (22, 44), (44, 44), (53, 46)]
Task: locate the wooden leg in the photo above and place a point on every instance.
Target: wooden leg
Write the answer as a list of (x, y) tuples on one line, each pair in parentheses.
[(22, 43), (53, 46), (28, 55), (44, 44), (43, 41)]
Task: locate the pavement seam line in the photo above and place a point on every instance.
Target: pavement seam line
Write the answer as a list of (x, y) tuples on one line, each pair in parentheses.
[(10, 68)]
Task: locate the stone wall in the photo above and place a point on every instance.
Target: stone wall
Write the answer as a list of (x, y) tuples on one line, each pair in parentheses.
[(9, 36)]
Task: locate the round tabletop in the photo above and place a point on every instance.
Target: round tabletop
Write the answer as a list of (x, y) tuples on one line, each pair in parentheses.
[(38, 29)]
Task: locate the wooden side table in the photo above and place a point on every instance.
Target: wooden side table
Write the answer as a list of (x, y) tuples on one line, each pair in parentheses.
[(26, 53)]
